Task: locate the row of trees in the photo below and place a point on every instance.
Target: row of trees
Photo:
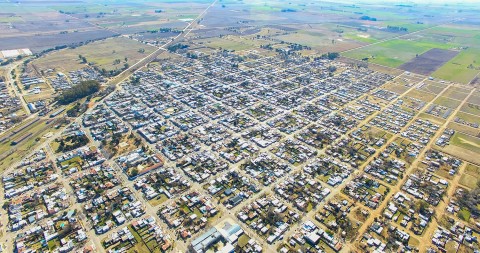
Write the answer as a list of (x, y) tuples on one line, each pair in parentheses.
[(81, 90), (397, 28), (174, 48)]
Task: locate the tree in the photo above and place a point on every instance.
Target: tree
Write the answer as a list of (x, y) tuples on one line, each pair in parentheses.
[(134, 172), (81, 90)]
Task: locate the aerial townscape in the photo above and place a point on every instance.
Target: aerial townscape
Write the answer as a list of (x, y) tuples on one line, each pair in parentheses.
[(132, 126)]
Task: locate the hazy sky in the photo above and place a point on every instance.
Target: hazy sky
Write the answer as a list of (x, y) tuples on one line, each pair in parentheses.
[(416, 1)]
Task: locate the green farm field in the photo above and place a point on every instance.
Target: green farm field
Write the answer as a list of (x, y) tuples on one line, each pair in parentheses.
[(387, 53), (462, 68)]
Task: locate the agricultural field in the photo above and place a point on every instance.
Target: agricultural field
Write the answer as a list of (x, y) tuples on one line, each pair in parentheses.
[(428, 62), (102, 54), (224, 43), (462, 68), (386, 53)]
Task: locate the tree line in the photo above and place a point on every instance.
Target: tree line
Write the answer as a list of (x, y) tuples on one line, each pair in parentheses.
[(81, 90)]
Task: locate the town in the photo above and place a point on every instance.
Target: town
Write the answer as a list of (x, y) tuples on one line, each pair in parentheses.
[(262, 149)]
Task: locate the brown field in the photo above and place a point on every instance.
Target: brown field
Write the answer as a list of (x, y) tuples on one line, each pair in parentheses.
[(428, 62)]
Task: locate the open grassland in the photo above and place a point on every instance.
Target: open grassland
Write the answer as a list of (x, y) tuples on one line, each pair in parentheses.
[(462, 68), (101, 53), (322, 40), (411, 26), (393, 53), (463, 35)]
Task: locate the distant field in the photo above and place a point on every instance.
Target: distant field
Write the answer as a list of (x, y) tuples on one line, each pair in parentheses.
[(228, 44), (411, 26), (102, 53), (393, 53), (463, 35), (320, 40), (428, 62), (457, 69)]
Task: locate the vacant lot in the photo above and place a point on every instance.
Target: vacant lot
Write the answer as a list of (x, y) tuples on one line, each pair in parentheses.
[(471, 176), (456, 93), (101, 53), (474, 99), (464, 129), (448, 102), (228, 44), (465, 147), (424, 96), (429, 61), (432, 88)]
